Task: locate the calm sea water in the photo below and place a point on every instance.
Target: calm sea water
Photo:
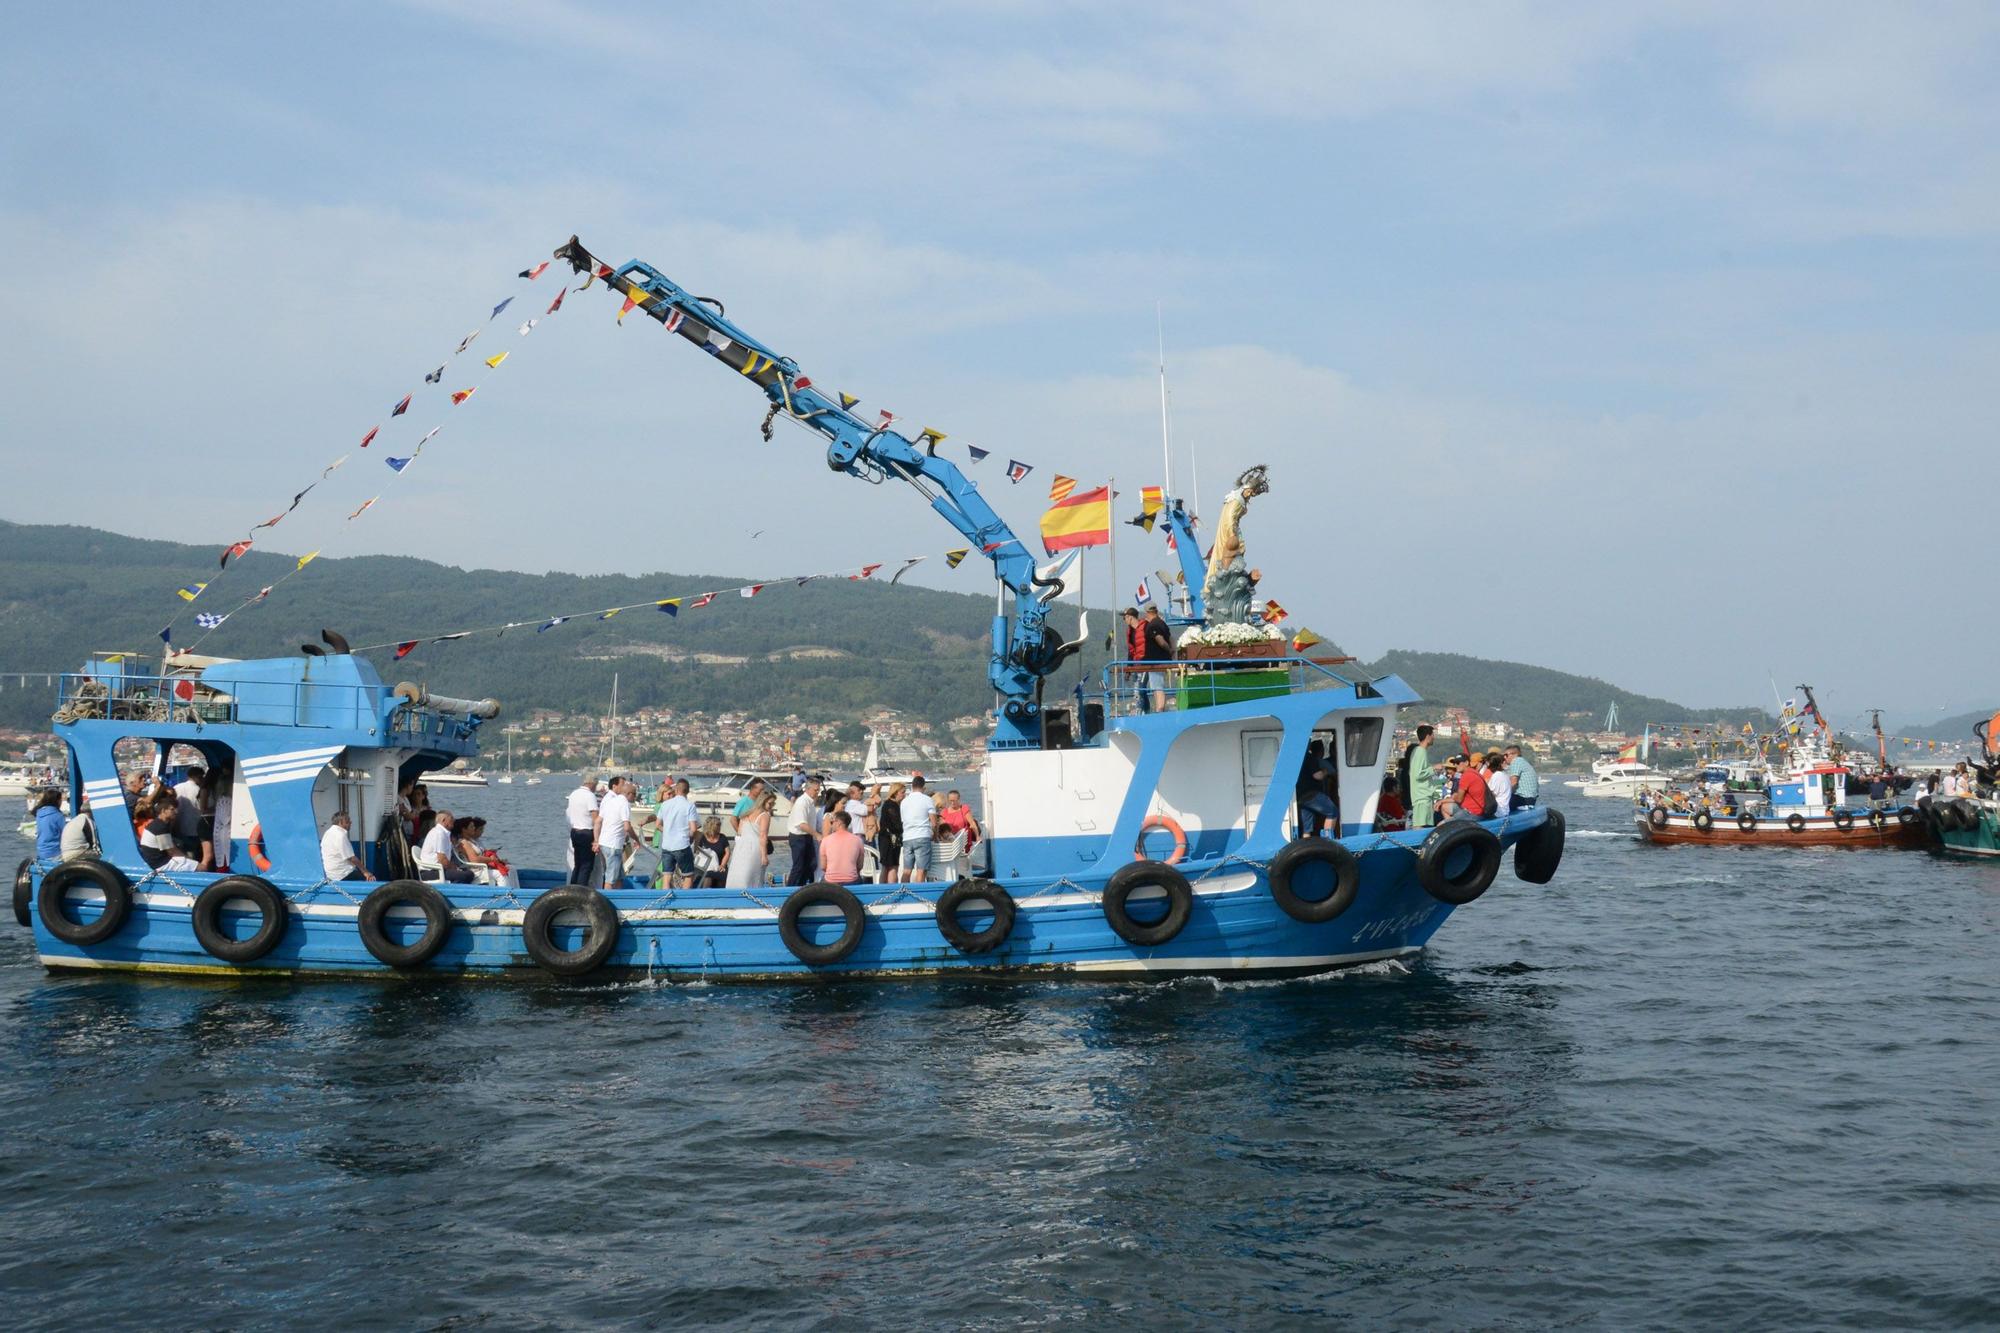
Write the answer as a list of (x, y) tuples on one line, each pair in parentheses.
[(1724, 1088)]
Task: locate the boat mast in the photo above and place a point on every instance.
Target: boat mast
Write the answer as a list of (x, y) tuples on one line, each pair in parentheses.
[(1166, 436), (611, 727)]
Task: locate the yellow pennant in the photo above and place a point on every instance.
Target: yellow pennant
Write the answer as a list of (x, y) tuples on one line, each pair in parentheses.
[(493, 362), (306, 559)]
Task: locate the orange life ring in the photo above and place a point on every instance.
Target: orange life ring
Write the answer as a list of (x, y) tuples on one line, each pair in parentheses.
[(256, 849), (1161, 822)]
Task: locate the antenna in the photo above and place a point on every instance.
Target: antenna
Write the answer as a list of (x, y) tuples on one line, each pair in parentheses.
[(1166, 436)]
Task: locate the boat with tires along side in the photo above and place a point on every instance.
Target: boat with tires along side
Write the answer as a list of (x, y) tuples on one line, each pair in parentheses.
[(308, 737)]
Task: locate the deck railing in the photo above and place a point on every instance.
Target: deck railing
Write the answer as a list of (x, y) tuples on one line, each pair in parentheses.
[(1205, 682), (185, 699)]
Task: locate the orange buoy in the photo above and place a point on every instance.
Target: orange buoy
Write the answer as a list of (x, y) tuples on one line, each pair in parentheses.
[(1161, 822)]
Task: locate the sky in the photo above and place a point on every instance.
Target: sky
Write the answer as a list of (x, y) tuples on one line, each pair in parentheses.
[(1652, 342)]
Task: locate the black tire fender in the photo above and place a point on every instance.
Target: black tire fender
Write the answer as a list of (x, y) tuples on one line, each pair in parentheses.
[(1876, 820), (1148, 875), (1747, 822), (1795, 822), (1968, 815), (101, 875), (1843, 820), (854, 921), (1703, 820), (1907, 815), (404, 893), (973, 891), (1295, 856), (1451, 837), (24, 891), (1540, 850), (1657, 816), (274, 912), (537, 930)]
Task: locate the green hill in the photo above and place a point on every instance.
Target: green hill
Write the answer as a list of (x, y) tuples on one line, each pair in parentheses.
[(826, 651)]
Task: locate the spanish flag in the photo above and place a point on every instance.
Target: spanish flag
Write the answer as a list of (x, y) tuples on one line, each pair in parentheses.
[(1081, 518)]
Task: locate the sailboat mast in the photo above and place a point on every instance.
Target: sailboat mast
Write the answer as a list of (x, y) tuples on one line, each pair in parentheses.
[(1166, 437)]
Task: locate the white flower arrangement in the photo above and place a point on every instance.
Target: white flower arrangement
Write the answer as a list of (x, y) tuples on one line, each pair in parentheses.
[(1230, 635)]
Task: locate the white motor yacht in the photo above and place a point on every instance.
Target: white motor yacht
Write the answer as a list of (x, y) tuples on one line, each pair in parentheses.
[(1622, 778)]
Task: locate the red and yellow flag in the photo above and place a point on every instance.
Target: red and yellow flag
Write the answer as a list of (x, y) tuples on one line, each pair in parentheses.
[(1152, 499), (1080, 518), (1060, 488)]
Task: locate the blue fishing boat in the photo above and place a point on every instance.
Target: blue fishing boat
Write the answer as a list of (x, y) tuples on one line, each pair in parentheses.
[(1121, 841)]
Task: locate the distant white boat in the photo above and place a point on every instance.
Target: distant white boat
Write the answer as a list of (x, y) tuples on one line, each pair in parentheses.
[(1621, 779), (455, 777)]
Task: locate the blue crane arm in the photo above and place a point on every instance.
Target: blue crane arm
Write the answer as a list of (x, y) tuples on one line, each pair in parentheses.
[(1025, 649), (1193, 572)]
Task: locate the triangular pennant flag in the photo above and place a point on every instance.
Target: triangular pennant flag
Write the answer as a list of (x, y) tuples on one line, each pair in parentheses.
[(932, 438), (498, 308), (435, 377), (867, 572), (273, 522), (397, 464), (1144, 521), (462, 395), (407, 647), (304, 560), (978, 454), (672, 606), (951, 558), (447, 638), (237, 549), (190, 592), (262, 593), (532, 273), (468, 341), (528, 328), (701, 601), (401, 407), (601, 271), (203, 620), (715, 344), (1017, 471), (369, 436), (167, 636), (364, 508), (750, 591), (1305, 639), (626, 309), (556, 304), (550, 624), (848, 400), (606, 615), (908, 565), (1060, 488), (493, 362)]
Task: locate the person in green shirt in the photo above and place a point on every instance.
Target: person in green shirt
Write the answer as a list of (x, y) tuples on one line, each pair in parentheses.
[(1423, 782)]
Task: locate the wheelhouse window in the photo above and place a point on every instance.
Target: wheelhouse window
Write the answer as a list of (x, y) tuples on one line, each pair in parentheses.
[(1363, 741)]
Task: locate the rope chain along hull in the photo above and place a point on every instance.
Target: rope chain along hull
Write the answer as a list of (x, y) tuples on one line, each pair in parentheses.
[(1235, 928)]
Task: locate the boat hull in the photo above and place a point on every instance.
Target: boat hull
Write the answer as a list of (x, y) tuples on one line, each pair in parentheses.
[(1235, 929), (1817, 831), (1980, 841)]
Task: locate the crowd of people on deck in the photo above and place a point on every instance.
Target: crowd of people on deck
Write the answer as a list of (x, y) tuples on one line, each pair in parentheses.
[(180, 827), (1467, 785)]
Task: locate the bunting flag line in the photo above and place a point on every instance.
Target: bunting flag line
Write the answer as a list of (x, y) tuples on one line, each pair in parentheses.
[(364, 507), (1081, 518), (553, 621), (978, 455), (493, 362), (1060, 488), (262, 593), (528, 327), (468, 341), (701, 601), (401, 407), (462, 395), (372, 430), (447, 638), (556, 304), (1017, 471), (204, 620), (397, 464), (532, 273), (407, 647), (435, 377), (951, 558), (237, 548), (671, 606), (1145, 593), (606, 615), (750, 591), (498, 308), (304, 560), (191, 591)]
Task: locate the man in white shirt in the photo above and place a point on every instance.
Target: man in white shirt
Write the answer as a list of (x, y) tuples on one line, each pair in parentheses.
[(437, 846), (582, 814), (802, 835), (676, 815), (187, 811), (919, 832), (614, 829), (336, 850)]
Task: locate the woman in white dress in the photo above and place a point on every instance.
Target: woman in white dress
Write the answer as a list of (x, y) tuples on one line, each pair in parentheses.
[(746, 858)]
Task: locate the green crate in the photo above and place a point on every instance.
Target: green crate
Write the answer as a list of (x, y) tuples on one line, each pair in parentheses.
[(1203, 689)]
